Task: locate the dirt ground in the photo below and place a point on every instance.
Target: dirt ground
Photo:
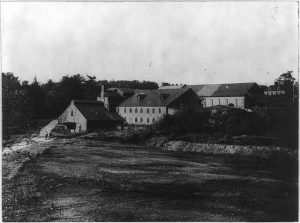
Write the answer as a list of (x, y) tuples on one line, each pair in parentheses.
[(86, 180)]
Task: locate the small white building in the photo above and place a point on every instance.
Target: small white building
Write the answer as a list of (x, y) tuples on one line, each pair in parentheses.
[(273, 90), (239, 95), (146, 107), (83, 115)]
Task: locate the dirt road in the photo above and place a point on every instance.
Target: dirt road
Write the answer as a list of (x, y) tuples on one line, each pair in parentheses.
[(82, 180)]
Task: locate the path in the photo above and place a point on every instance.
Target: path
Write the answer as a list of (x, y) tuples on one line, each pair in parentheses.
[(85, 180)]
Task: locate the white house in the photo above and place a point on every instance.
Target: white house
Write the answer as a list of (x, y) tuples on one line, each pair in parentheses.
[(83, 115), (146, 107), (240, 95)]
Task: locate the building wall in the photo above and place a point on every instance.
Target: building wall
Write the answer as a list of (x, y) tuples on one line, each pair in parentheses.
[(171, 111), (238, 102), (274, 92), (76, 116), (141, 117)]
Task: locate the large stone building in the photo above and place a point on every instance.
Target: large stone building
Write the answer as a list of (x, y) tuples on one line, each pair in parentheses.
[(83, 115), (239, 95), (146, 107)]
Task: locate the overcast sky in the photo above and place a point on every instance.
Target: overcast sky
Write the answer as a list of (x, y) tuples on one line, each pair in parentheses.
[(177, 42)]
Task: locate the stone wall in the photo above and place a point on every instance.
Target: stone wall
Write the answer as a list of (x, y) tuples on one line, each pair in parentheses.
[(244, 150)]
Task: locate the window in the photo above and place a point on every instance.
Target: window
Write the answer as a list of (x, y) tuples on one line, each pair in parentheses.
[(226, 101), (141, 120), (72, 114), (130, 110), (219, 101), (236, 102), (124, 110), (147, 110), (141, 110), (147, 120), (212, 102), (153, 110), (153, 120), (159, 111), (136, 110), (136, 120)]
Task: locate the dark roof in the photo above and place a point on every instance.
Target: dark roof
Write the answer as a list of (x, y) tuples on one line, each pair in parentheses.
[(124, 90), (173, 86), (127, 90), (222, 90), (95, 111), (274, 88), (112, 94), (152, 98)]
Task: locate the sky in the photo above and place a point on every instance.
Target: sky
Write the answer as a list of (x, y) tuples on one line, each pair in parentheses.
[(175, 42)]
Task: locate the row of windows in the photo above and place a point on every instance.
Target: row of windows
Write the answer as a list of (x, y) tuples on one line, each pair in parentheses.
[(219, 102), (274, 92), (141, 110), (142, 120)]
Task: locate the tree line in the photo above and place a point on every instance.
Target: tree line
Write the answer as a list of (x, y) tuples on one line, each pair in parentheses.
[(23, 102)]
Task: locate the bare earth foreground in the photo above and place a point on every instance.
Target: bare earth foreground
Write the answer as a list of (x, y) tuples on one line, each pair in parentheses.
[(82, 180)]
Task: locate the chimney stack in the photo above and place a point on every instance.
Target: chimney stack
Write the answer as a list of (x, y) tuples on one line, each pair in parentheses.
[(102, 93), (101, 97)]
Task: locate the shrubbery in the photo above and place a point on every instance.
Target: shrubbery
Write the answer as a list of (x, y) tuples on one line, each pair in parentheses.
[(230, 121), (223, 123)]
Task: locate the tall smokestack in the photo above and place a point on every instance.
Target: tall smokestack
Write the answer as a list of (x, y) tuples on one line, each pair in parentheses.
[(102, 93), (101, 96)]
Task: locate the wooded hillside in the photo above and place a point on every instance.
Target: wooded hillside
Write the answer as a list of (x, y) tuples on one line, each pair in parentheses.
[(24, 102)]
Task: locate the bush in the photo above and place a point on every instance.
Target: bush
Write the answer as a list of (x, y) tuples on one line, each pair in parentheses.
[(184, 122), (235, 122), (215, 124), (223, 121)]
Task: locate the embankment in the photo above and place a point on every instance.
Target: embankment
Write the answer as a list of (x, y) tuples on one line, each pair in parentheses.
[(211, 148), (16, 155)]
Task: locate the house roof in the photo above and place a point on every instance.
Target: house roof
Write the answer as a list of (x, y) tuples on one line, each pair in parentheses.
[(173, 86), (95, 111), (274, 88), (152, 98), (222, 90), (124, 90)]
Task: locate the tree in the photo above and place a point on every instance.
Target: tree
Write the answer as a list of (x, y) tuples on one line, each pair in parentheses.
[(14, 107), (69, 88), (165, 84), (91, 88), (286, 82), (36, 95)]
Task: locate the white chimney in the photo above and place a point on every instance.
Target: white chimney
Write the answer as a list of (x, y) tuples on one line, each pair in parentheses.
[(102, 92), (101, 98)]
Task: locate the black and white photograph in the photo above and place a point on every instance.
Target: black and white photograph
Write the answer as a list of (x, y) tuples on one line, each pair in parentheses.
[(143, 111)]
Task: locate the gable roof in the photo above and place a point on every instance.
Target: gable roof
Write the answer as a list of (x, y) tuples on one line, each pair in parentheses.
[(152, 98), (173, 86), (95, 111), (274, 88), (123, 90), (222, 90)]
